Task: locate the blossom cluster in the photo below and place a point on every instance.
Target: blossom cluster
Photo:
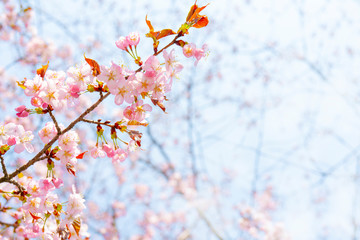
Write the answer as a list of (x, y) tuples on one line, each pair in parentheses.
[(190, 50), (257, 222), (42, 214), (11, 21), (12, 134)]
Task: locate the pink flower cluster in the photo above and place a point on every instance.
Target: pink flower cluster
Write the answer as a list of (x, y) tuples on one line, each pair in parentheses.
[(13, 20), (116, 154), (38, 50), (132, 39), (154, 223), (41, 213), (58, 89), (190, 50), (15, 135), (257, 220)]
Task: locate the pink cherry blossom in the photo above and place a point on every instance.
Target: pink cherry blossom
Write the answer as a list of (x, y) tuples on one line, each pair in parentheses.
[(69, 140), (200, 53), (75, 204), (137, 111), (46, 185), (57, 182), (33, 87), (122, 43), (119, 155), (170, 62), (152, 65), (189, 50), (110, 75), (6, 131), (133, 38), (48, 132), (109, 150), (122, 90), (97, 152), (23, 140), (22, 111), (80, 76)]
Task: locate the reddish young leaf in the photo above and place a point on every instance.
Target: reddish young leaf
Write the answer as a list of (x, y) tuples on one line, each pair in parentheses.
[(164, 33), (81, 155), (34, 216), (191, 12), (180, 43), (157, 103), (70, 168), (41, 71), (149, 24), (202, 22), (76, 225), (95, 67), (195, 19), (137, 123)]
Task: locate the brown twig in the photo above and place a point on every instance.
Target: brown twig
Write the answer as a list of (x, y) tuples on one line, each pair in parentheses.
[(54, 120)]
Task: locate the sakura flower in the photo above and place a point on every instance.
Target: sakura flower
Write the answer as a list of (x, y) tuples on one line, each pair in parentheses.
[(11, 141), (122, 91), (97, 152), (57, 182), (33, 87), (80, 76), (170, 62), (133, 38), (22, 111), (48, 132), (119, 156), (143, 82), (137, 111), (50, 94), (46, 185), (23, 140), (109, 150), (69, 140), (68, 155), (200, 53), (152, 64), (110, 75), (122, 43), (75, 205), (36, 101), (189, 50), (6, 131)]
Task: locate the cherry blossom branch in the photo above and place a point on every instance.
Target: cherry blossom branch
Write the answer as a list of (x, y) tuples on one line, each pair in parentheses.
[(158, 145), (54, 120), (37, 158), (3, 166), (208, 223), (8, 224), (14, 182), (97, 123)]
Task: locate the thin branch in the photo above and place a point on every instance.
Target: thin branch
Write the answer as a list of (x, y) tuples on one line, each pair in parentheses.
[(158, 145), (208, 223), (3, 167), (14, 182), (54, 120), (97, 123), (7, 224)]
